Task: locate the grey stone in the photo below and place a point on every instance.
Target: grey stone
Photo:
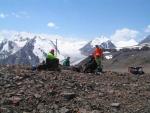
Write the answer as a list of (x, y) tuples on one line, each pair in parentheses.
[(64, 110), (96, 111), (115, 105), (68, 96)]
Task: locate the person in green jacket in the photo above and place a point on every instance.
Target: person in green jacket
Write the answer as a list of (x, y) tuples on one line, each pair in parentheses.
[(52, 60), (51, 55), (66, 62)]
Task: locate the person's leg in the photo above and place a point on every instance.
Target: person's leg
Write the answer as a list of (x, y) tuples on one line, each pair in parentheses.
[(47, 61), (98, 62), (55, 63)]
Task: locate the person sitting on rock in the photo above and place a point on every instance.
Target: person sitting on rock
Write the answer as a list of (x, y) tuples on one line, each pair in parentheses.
[(66, 62), (51, 60), (51, 55), (90, 65)]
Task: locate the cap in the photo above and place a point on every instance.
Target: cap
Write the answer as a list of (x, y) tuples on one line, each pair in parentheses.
[(52, 50)]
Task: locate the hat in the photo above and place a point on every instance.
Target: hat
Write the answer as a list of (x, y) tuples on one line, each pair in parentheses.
[(68, 57), (96, 46), (52, 50)]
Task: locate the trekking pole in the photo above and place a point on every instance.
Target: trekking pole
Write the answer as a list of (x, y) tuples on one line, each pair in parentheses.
[(56, 47)]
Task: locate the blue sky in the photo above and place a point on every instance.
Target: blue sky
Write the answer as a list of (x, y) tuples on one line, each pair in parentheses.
[(75, 18)]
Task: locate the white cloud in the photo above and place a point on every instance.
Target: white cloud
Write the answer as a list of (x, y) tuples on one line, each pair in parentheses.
[(15, 15), (147, 30), (128, 43), (52, 25), (124, 34), (2, 15), (124, 37), (21, 14)]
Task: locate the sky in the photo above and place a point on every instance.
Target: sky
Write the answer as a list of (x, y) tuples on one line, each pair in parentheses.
[(116, 19)]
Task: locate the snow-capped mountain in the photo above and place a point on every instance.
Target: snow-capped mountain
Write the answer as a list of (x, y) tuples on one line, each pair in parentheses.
[(102, 41), (99, 40), (29, 48), (7, 48), (23, 56)]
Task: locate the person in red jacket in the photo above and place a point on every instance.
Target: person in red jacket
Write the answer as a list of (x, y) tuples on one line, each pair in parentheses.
[(98, 55)]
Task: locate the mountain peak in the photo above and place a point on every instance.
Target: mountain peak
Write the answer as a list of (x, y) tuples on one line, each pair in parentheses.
[(99, 40), (102, 41)]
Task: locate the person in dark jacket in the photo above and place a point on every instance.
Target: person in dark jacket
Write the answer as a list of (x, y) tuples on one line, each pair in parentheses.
[(90, 64)]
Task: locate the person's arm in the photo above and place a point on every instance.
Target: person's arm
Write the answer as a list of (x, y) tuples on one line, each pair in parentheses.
[(93, 54)]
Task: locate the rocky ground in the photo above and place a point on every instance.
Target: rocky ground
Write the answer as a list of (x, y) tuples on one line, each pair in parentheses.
[(26, 91), (123, 59)]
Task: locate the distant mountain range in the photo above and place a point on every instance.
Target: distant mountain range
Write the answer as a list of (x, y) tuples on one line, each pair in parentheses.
[(31, 49), (102, 41)]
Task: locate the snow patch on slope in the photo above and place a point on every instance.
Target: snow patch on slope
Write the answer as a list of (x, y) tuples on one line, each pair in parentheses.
[(108, 57)]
